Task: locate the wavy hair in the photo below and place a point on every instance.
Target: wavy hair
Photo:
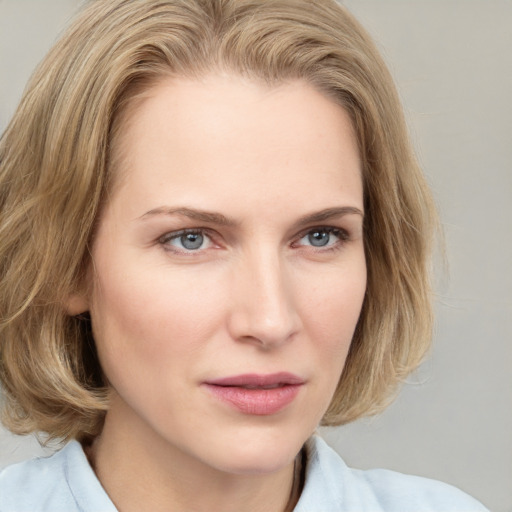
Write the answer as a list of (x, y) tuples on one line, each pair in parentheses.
[(55, 173)]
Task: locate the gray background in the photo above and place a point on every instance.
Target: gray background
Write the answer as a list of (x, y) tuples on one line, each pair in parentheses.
[(453, 63)]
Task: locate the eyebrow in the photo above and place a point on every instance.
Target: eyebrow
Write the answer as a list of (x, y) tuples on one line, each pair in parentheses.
[(191, 213), (329, 213), (219, 219)]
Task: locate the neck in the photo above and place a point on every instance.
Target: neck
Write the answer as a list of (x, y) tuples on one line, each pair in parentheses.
[(145, 472)]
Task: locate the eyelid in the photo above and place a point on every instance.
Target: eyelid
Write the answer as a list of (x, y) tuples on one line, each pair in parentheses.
[(342, 234), (171, 235), (179, 232)]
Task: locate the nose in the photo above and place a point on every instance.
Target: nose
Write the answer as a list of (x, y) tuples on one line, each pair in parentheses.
[(263, 310)]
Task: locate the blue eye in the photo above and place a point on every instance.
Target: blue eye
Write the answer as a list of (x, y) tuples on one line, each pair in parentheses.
[(323, 237), (318, 238), (188, 240), (191, 241)]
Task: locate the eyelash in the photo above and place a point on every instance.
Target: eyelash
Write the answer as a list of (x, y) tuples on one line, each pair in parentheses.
[(175, 235), (342, 235)]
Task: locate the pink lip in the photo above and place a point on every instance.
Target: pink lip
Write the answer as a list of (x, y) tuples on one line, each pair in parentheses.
[(257, 394)]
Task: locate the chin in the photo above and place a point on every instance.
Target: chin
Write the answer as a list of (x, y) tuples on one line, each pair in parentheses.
[(259, 453)]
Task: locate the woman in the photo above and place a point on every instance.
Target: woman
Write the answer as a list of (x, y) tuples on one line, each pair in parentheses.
[(215, 237)]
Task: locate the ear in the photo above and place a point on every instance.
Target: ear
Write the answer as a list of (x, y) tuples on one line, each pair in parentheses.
[(76, 304)]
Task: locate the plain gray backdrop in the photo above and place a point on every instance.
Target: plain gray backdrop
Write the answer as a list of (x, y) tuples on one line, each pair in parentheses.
[(453, 64)]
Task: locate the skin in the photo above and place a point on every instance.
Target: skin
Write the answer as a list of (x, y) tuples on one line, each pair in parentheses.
[(255, 297)]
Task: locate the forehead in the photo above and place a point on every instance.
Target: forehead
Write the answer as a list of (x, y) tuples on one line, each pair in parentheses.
[(202, 135)]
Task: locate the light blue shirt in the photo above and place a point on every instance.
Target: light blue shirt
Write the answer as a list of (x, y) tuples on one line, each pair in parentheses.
[(65, 482)]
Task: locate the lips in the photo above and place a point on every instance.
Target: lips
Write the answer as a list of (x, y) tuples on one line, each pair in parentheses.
[(255, 394)]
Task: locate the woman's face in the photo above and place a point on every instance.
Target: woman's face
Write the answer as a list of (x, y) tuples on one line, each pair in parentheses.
[(228, 269)]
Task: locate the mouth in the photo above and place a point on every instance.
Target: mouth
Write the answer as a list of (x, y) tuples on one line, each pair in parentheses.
[(255, 394)]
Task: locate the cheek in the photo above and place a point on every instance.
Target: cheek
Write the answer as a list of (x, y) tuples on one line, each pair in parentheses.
[(333, 315), (331, 310), (154, 320), (333, 305)]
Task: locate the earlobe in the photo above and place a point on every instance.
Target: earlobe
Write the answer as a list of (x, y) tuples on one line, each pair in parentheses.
[(76, 304)]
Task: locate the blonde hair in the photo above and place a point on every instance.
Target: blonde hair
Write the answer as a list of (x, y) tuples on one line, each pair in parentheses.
[(55, 173)]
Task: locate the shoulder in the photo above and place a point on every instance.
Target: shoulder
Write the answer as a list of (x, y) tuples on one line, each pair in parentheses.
[(332, 485), (63, 482), (36, 485), (392, 489)]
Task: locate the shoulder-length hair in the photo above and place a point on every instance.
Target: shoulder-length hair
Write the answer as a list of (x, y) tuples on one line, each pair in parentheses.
[(55, 172)]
